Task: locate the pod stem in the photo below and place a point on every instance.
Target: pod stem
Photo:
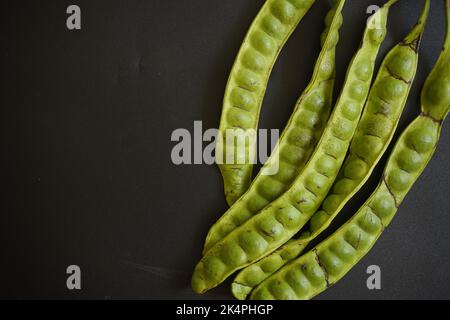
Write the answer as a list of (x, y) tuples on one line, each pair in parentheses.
[(379, 18), (390, 3), (414, 37)]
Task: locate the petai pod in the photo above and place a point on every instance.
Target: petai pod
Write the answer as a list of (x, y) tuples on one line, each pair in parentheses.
[(374, 133), (283, 218), (254, 274), (296, 143), (246, 87), (330, 261)]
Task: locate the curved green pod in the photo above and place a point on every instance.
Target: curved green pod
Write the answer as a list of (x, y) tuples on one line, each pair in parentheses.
[(295, 145), (283, 218), (246, 87), (373, 135), (334, 257)]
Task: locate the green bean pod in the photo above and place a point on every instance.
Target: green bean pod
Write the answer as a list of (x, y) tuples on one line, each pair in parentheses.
[(246, 87), (296, 143), (254, 274), (374, 133), (334, 257), (283, 218)]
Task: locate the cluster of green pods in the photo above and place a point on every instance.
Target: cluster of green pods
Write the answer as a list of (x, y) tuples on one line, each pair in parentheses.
[(279, 221), (374, 133), (307, 193), (296, 143), (331, 260), (246, 87)]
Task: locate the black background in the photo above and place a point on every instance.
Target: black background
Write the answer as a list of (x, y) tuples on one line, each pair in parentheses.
[(86, 120)]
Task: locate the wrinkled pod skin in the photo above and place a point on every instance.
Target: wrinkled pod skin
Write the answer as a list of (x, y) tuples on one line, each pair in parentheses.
[(295, 145), (283, 218), (374, 133), (247, 84), (334, 257)]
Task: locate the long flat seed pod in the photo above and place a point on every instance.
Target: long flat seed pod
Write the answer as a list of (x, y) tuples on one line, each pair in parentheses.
[(246, 87)]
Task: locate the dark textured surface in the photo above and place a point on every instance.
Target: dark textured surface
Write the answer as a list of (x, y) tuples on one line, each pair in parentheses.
[(86, 119)]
